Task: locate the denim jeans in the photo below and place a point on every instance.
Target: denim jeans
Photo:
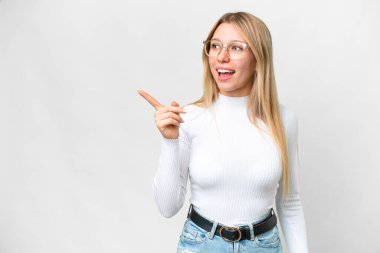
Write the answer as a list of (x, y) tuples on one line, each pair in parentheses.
[(195, 239)]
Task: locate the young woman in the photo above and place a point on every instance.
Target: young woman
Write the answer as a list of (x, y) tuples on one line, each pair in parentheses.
[(238, 147)]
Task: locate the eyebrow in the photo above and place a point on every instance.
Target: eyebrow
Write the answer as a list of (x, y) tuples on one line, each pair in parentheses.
[(230, 40)]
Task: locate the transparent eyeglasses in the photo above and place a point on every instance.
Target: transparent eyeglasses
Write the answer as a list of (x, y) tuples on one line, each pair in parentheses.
[(236, 49)]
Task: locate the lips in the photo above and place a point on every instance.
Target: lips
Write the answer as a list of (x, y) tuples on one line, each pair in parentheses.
[(225, 73)]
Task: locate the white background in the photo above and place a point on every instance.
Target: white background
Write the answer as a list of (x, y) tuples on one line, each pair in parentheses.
[(79, 147)]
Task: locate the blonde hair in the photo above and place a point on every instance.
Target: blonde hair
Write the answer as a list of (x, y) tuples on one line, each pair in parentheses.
[(262, 101)]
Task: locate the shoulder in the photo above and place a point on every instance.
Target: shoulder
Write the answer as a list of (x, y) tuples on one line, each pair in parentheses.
[(290, 120)]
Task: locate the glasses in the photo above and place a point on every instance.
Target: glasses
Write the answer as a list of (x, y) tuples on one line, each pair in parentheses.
[(236, 49)]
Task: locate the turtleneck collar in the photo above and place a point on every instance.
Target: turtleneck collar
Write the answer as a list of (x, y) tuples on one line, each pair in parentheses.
[(224, 100)]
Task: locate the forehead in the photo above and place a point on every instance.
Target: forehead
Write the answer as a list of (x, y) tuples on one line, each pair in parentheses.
[(227, 32)]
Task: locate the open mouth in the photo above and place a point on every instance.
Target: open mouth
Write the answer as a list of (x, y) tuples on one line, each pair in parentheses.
[(225, 73)]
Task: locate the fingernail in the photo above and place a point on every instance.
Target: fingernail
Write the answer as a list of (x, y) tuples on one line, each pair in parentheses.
[(184, 110)]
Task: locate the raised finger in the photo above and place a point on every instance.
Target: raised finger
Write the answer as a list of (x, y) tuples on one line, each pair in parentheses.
[(150, 99)]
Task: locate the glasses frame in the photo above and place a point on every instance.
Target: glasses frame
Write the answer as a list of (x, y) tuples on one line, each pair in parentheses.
[(225, 46)]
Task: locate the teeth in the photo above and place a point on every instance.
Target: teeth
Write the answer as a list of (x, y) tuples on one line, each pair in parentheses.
[(225, 71)]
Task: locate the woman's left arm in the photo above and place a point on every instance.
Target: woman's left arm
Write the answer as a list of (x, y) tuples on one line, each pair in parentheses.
[(290, 211)]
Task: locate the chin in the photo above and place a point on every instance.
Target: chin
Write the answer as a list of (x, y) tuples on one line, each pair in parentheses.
[(226, 88)]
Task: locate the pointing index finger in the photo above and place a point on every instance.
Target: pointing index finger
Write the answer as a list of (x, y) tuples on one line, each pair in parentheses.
[(150, 99)]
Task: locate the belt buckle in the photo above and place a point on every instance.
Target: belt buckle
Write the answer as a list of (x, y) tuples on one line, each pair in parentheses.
[(230, 229)]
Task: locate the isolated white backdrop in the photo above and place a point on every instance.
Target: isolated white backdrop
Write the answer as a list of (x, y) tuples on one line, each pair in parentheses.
[(79, 147)]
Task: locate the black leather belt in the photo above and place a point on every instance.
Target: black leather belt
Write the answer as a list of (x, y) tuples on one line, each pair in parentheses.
[(234, 234)]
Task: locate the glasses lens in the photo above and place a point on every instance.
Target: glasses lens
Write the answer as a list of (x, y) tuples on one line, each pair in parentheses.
[(236, 50), (212, 48)]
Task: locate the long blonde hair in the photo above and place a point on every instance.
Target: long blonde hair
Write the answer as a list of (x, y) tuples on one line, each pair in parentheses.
[(262, 101)]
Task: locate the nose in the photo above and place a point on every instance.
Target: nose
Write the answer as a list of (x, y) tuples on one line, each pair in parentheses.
[(223, 55)]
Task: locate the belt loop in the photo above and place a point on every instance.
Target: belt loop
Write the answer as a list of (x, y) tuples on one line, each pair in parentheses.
[(251, 233), (190, 209), (213, 230)]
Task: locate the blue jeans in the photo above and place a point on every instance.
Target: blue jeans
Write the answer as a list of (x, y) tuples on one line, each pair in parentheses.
[(195, 239)]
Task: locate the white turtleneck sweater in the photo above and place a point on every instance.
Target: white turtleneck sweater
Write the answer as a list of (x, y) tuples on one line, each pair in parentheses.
[(234, 170)]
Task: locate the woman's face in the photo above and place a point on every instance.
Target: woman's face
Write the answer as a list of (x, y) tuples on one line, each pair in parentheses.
[(237, 81)]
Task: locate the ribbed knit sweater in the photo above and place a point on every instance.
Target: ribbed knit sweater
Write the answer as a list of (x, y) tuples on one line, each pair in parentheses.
[(234, 169)]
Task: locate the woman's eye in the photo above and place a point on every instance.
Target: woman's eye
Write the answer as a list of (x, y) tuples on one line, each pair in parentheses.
[(215, 46), (237, 48)]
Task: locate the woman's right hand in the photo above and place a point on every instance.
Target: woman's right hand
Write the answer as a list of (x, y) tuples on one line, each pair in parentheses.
[(167, 118)]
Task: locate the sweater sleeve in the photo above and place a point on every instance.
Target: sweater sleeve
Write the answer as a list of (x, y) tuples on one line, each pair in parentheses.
[(290, 211), (170, 181)]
